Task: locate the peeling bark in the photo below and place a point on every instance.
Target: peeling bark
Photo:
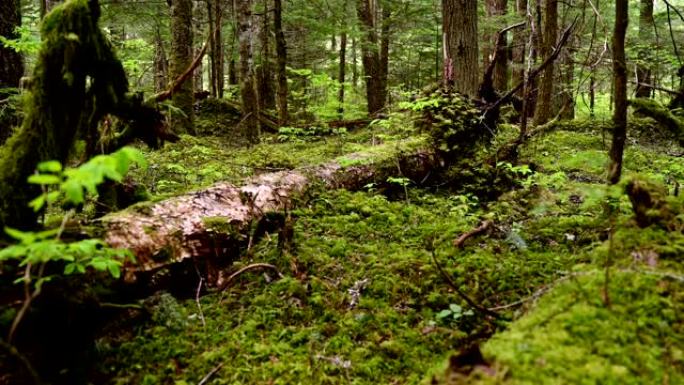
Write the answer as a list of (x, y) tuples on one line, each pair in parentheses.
[(214, 224)]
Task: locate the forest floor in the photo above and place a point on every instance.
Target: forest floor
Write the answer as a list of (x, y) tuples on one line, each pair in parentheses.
[(362, 301)]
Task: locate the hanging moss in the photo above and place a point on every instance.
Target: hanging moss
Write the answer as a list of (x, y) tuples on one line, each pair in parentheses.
[(76, 82)]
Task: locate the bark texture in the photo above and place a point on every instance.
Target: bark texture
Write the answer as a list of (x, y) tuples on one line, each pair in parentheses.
[(214, 223), (248, 94), (11, 63), (459, 18), (620, 93), (646, 39), (544, 108), (181, 58), (370, 51), (342, 72), (281, 62), (497, 47)]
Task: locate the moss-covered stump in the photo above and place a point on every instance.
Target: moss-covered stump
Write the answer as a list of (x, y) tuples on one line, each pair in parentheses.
[(76, 82), (163, 233)]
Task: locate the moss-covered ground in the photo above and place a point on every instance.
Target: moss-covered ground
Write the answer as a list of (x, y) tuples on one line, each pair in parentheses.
[(362, 302)]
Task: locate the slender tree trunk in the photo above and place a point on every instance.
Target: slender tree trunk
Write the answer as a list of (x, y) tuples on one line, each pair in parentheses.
[(281, 62), (218, 47), (232, 67), (47, 6), (545, 97), (566, 100), (342, 71), (620, 84), (646, 40), (496, 9), (384, 53), (161, 66), (181, 58), (459, 18), (355, 72), (519, 42), (250, 102), (370, 56), (212, 49), (11, 63), (264, 75)]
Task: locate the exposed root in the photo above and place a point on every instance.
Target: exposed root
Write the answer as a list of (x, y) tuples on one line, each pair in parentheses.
[(253, 266)]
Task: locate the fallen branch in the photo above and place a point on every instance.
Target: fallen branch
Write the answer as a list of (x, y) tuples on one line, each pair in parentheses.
[(458, 242), (12, 351)]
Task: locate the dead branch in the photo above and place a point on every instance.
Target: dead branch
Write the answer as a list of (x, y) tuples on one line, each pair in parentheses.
[(458, 242), (206, 378), (165, 95), (481, 309), (253, 266), (532, 75)]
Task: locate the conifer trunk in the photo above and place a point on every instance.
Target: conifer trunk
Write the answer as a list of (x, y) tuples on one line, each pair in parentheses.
[(161, 69), (248, 94), (372, 66), (459, 18), (545, 97), (281, 62), (342, 72), (496, 9), (384, 53), (181, 58), (519, 43), (646, 37), (620, 91), (264, 76)]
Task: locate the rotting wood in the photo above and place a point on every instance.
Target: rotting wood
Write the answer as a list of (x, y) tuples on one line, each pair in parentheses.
[(180, 228)]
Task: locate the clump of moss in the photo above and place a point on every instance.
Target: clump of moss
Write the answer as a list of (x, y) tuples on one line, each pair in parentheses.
[(572, 337)]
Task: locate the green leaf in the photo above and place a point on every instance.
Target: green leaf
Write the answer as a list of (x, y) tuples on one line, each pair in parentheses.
[(38, 203), (52, 166), (44, 179), (114, 270), (73, 192), (24, 237), (443, 314)]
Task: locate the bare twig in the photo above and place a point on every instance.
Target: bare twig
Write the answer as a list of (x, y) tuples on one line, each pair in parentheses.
[(460, 241), (253, 266), (206, 378)]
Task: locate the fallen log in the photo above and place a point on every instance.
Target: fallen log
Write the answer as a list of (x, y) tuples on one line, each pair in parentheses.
[(212, 226)]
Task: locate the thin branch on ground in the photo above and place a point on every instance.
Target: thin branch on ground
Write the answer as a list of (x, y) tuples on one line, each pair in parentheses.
[(206, 378), (253, 266), (460, 241)]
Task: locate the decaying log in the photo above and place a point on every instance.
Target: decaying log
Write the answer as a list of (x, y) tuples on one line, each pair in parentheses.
[(214, 224)]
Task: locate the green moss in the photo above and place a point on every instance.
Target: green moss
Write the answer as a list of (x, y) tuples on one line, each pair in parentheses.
[(572, 338)]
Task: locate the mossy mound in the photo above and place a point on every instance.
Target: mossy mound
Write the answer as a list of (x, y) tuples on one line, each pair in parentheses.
[(216, 117), (571, 337)]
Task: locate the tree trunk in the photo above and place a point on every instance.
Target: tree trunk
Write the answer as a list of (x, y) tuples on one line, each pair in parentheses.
[(520, 37), (384, 53), (248, 94), (355, 72), (545, 97), (459, 26), (496, 9), (264, 76), (218, 47), (281, 62), (11, 63), (372, 66), (646, 40), (620, 85), (566, 101), (47, 6), (342, 72), (181, 58), (212, 226), (161, 65), (232, 67), (281, 94)]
